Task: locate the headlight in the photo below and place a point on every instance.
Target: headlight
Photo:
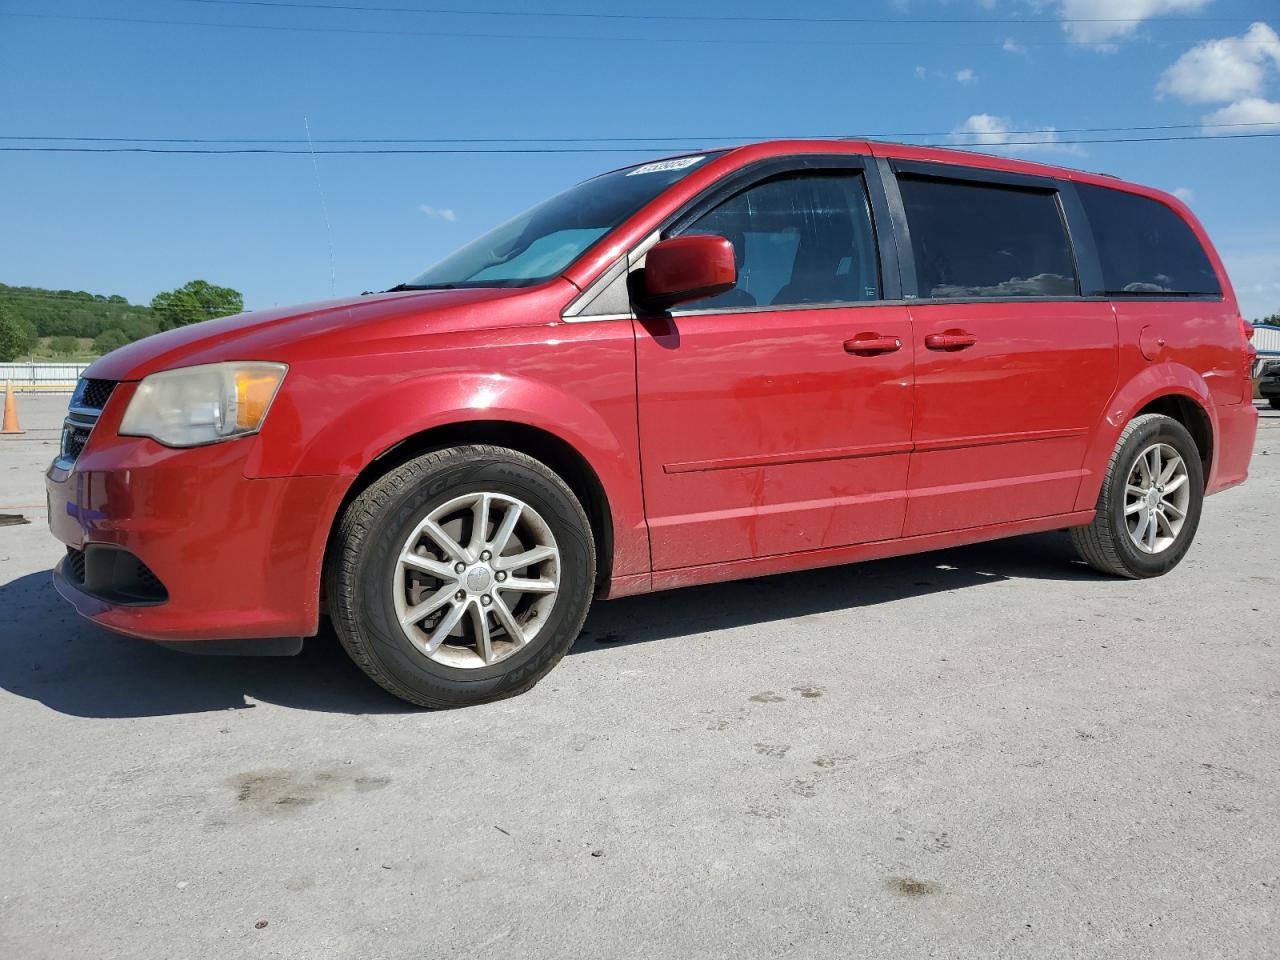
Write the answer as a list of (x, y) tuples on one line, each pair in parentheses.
[(205, 404)]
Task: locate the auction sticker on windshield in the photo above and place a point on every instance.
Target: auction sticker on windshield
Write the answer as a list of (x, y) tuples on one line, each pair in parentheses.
[(663, 165)]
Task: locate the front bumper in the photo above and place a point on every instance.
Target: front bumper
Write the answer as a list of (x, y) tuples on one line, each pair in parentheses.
[(238, 558)]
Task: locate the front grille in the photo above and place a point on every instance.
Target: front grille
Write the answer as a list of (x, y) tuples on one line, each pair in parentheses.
[(148, 582), (74, 437), (75, 565), (113, 574), (90, 397), (92, 394)]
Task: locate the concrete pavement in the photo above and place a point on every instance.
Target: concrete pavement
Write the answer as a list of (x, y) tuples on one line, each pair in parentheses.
[(983, 752)]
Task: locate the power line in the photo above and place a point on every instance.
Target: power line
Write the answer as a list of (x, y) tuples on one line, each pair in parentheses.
[(701, 18), (1049, 139), (585, 38), (654, 140)]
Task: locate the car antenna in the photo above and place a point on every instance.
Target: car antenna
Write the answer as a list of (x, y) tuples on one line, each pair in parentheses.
[(324, 209)]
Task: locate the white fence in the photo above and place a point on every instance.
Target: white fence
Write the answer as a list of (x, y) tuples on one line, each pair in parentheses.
[(41, 377), (1267, 338)]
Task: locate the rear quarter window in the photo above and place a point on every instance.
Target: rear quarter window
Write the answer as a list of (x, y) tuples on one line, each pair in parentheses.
[(1145, 248)]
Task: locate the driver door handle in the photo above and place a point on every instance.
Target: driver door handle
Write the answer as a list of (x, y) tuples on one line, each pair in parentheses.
[(868, 344)]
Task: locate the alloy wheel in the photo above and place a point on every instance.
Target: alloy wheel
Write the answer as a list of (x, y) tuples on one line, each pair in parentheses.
[(476, 580), (1157, 497)]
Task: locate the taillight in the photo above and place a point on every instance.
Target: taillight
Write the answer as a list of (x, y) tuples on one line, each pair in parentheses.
[(1250, 351)]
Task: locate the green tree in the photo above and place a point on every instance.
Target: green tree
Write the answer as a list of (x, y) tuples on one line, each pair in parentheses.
[(193, 302), (135, 328), (64, 346), (29, 332), (109, 340), (16, 335), (54, 314)]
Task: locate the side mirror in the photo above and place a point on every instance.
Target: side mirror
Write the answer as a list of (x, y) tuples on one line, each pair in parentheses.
[(687, 268)]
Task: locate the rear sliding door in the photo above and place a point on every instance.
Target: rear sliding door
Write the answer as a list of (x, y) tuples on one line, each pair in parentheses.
[(1013, 367)]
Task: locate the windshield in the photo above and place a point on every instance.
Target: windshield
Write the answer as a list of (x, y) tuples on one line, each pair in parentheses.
[(541, 242)]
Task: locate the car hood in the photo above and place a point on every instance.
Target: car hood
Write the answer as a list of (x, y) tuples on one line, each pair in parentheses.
[(282, 333)]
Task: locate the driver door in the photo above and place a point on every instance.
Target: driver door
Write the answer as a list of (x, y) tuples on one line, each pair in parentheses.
[(776, 418)]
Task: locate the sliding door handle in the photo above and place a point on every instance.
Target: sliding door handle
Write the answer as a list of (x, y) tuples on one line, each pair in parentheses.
[(951, 340), (868, 344)]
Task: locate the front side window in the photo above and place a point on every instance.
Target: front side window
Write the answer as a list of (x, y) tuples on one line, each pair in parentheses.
[(798, 239), (543, 241), (986, 240), (1144, 246)]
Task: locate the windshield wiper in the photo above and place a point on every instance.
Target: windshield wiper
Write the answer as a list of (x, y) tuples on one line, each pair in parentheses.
[(424, 286)]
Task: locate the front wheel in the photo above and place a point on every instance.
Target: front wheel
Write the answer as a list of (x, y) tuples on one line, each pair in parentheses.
[(1275, 403), (1149, 505), (462, 576)]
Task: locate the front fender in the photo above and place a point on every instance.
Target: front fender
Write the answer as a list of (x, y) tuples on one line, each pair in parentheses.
[(335, 424), (376, 422), (1151, 383)]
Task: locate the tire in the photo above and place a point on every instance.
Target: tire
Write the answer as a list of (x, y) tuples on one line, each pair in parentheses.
[(367, 576), (1107, 544), (1275, 402)]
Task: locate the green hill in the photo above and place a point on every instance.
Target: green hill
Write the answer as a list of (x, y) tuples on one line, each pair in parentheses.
[(74, 313)]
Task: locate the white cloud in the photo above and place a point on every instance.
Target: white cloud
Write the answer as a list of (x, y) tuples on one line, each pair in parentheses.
[(985, 127), (1220, 70), (1183, 193), (1012, 46), (438, 213), (1113, 19), (1264, 114), (1234, 71), (1003, 135), (965, 76)]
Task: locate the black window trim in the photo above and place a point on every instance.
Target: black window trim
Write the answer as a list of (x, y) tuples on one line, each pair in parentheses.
[(1071, 213), (773, 168), (893, 236)]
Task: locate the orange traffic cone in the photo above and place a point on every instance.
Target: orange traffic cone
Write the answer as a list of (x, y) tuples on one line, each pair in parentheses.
[(10, 411)]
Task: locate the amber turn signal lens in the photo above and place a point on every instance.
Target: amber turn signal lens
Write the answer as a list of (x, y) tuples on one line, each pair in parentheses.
[(254, 390)]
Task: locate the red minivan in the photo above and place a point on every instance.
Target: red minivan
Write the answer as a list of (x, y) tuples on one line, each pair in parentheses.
[(732, 363)]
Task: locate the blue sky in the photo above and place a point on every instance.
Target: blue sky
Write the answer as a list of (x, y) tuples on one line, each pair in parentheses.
[(135, 224)]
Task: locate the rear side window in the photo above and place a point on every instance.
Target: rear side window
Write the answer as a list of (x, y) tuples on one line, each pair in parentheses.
[(1144, 246), (797, 239), (987, 240)]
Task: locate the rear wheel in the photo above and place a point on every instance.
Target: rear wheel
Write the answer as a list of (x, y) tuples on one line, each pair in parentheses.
[(1275, 403), (1149, 505), (462, 576)]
